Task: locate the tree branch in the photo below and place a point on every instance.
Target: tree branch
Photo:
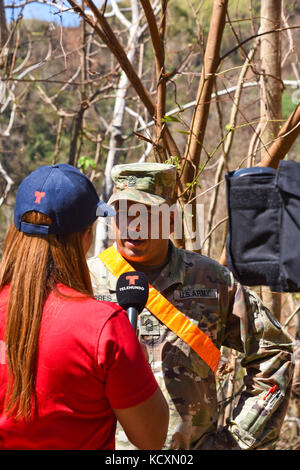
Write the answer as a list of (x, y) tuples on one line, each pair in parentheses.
[(284, 141)]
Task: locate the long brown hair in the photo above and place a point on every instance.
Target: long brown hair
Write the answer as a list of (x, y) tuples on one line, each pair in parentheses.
[(33, 265)]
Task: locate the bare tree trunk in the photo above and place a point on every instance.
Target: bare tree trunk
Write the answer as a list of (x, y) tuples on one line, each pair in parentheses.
[(3, 27), (5, 54), (210, 66), (270, 111), (78, 119), (271, 85), (116, 129), (228, 141), (157, 37), (203, 100), (77, 126)]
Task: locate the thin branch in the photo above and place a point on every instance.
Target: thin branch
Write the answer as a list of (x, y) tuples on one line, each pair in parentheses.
[(291, 316), (122, 18), (109, 38), (97, 156), (226, 91), (58, 138), (25, 72), (9, 184), (207, 236), (6, 133), (254, 36)]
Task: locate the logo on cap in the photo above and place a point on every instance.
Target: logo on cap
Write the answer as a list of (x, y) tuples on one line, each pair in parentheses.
[(38, 196)]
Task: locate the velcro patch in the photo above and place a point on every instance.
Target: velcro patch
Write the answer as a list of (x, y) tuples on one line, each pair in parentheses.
[(149, 325)]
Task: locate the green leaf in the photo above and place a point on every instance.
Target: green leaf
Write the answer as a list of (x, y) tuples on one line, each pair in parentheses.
[(170, 119), (85, 162)]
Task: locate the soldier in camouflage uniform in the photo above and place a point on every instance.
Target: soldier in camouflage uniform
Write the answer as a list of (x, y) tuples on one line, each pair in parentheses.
[(229, 314)]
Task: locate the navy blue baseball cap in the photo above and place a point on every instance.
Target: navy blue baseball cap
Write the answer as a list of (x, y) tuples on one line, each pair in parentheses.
[(62, 193)]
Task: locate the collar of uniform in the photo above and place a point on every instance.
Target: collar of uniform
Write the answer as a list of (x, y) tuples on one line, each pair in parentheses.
[(111, 279), (173, 272)]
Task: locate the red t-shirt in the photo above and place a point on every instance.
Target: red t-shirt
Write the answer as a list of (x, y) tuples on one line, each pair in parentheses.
[(88, 362)]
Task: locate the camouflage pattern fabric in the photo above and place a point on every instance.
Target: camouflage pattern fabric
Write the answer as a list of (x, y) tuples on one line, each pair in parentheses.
[(230, 315), (296, 377), (145, 183)]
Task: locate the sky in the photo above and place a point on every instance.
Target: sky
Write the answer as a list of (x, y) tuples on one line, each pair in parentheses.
[(42, 11)]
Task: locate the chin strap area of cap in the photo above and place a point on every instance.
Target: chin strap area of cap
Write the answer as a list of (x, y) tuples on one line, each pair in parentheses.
[(169, 315)]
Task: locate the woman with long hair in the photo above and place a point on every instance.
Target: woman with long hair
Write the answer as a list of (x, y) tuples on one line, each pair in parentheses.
[(70, 365)]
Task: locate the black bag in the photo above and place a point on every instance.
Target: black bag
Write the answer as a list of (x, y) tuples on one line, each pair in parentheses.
[(263, 242)]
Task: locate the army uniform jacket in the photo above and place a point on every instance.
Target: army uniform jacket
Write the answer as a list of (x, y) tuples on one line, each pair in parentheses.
[(231, 316)]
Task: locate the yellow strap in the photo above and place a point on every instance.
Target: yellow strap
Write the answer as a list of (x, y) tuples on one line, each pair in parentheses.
[(159, 306)]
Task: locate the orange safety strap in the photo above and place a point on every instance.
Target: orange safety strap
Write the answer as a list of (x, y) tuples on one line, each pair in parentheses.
[(159, 306)]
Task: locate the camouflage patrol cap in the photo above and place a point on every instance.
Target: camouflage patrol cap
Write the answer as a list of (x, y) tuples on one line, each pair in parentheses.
[(146, 183)]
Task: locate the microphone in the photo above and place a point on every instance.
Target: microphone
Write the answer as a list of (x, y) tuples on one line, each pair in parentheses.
[(132, 294)]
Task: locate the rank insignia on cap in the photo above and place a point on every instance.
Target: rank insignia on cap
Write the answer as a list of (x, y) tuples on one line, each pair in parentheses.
[(132, 181)]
